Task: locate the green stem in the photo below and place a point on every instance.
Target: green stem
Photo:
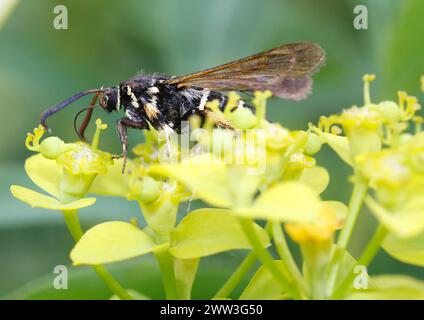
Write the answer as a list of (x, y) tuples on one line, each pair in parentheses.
[(236, 277), (166, 265), (373, 246), (316, 257), (359, 191), (287, 258), (358, 194), (74, 226), (241, 271), (365, 259), (112, 283), (185, 272), (265, 257)]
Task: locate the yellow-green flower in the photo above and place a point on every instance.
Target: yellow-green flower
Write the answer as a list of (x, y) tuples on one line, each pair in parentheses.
[(64, 170), (384, 168), (329, 219), (361, 125), (83, 159), (368, 127), (397, 177), (148, 152)]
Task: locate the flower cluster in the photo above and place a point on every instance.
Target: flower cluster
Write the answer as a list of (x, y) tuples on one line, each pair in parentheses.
[(396, 175), (369, 127), (245, 170)]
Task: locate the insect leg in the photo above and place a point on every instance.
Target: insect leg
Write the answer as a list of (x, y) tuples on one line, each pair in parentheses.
[(121, 126), (217, 119)]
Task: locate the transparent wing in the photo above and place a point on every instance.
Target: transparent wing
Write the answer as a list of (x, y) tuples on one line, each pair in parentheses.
[(284, 70)]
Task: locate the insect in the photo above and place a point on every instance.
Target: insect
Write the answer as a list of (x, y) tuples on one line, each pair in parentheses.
[(163, 101)]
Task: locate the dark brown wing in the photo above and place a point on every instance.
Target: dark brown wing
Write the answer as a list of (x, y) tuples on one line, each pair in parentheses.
[(284, 70)]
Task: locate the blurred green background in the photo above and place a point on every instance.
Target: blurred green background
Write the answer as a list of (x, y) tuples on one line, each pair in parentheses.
[(109, 41)]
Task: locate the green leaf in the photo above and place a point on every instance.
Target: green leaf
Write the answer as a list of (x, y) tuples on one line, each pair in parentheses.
[(45, 173), (110, 242), (206, 177), (405, 222), (409, 250), (36, 199), (317, 178), (392, 287), (208, 231), (285, 202), (263, 286)]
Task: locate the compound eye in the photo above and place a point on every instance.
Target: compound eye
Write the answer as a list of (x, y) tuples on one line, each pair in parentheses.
[(111, 101)]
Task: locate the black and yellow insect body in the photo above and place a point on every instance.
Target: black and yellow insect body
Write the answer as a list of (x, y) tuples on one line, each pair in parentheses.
[(163, 102)]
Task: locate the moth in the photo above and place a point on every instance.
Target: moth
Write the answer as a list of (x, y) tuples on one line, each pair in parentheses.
[(164, 102)]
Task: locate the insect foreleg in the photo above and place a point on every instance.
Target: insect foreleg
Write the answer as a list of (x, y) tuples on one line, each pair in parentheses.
[(121, 126)]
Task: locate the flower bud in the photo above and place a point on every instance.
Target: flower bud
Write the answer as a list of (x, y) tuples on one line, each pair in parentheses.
[(149, 189), (389, 110), (277, 137), (52, 147), (313, 144), (242, 118)]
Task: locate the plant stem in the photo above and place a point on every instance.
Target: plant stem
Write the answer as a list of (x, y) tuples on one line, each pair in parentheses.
[(265, 257), (357, 198), (287, 258), (241, 271), (166, 264), (316, 256), (359, 191), (365, 259), (74, 226), (373, 246), (112, 283), (185, 272), (236, 277)]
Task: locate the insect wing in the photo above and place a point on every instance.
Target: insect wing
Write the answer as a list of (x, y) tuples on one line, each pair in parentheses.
[(284, 70)]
